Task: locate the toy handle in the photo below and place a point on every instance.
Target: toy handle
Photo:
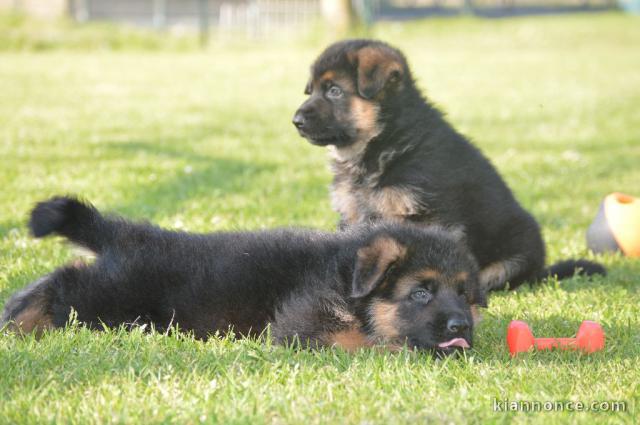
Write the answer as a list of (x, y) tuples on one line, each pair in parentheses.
[(550, 343)]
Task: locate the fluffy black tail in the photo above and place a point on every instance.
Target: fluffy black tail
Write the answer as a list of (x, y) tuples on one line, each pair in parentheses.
[(67, 216), (570, 268)]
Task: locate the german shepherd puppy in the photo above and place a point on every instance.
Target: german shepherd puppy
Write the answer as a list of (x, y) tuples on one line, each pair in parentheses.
[(395, 158), (386, 285)]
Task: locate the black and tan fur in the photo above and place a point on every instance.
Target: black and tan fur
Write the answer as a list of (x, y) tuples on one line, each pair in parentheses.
[(388, 285), (395, 158)]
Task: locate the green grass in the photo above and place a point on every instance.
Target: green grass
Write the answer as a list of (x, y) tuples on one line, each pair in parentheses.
[(21, 33), (202, 140)]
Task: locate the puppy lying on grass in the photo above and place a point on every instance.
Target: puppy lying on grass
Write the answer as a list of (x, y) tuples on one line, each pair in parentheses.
[(386, 285)]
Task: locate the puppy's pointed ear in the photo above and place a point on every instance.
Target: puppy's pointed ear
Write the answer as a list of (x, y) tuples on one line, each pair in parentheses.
[(373, 263), (378, 67)]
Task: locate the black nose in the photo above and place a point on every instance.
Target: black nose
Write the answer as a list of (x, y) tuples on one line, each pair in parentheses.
[(299, 120), (457, 325)]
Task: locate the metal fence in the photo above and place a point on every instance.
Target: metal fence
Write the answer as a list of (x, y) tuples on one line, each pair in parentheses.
[(256, 17)]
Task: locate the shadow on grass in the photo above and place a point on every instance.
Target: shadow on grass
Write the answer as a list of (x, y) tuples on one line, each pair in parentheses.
[(203, 177)]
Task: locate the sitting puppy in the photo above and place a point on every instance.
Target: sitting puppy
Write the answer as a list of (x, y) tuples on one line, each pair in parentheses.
[(388, 285), (395, 158)]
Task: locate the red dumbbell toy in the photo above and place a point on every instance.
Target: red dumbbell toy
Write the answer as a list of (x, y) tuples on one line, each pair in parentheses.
[(590, 338)]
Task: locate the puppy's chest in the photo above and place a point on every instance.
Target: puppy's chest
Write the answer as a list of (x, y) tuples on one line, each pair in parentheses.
[(361, 202)]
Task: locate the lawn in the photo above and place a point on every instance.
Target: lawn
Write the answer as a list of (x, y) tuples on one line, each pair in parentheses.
[(202, 141)]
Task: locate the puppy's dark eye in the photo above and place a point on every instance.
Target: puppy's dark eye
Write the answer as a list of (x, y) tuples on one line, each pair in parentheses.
[(390, 270), (421, 296), (334, 92)]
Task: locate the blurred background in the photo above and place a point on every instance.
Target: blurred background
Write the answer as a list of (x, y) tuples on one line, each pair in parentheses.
[(262, 18)]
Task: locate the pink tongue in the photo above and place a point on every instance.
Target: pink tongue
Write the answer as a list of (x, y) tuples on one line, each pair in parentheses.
[(455, 342)]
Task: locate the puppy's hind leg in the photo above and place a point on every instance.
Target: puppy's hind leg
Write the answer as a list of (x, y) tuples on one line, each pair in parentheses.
[(495, 276), (519, 255), (47, 302), (29, 310)]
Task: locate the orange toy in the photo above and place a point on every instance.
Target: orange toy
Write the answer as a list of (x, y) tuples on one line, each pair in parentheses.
[(589, 339), (616, 226)]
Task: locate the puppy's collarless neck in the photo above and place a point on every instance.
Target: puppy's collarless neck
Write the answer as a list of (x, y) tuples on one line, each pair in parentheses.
[(370, 163)]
